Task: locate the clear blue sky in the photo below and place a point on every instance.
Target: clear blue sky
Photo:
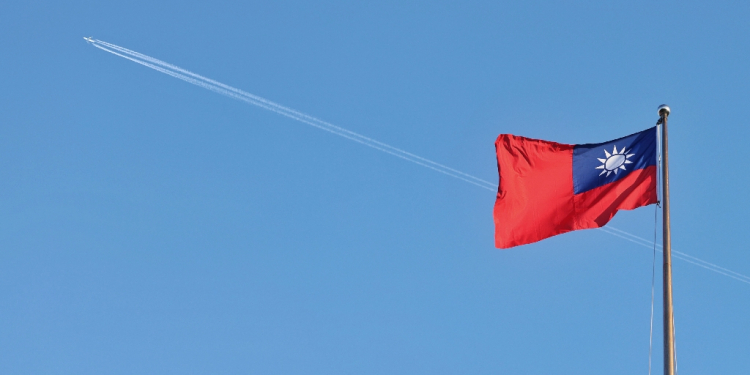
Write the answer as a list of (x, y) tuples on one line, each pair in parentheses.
[(150, 226)]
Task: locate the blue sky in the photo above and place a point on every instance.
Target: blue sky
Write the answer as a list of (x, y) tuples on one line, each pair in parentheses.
[(151, 226)]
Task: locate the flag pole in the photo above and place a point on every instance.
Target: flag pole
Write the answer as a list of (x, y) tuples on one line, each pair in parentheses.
[(669, 357)]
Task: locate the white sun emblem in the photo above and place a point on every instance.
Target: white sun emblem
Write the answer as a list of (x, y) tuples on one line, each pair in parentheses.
[(614, 161)]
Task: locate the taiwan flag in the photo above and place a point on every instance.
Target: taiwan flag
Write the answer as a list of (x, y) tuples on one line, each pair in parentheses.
[(549, 188)]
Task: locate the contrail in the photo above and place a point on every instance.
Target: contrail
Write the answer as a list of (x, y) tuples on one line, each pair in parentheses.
[(679, 255), (238, 94), (234, 93)]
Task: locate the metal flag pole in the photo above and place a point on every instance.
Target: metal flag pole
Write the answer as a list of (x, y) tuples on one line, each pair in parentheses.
[(669, 360)]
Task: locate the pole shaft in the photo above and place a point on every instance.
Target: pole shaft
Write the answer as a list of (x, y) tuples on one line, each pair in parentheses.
[(669, 360)]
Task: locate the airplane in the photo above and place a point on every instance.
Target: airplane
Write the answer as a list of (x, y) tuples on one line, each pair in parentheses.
[(89, 39)]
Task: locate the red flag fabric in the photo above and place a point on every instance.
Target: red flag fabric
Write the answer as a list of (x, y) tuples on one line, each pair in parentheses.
[(548, 188)]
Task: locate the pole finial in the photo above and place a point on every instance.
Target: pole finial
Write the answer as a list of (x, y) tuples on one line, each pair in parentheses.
[(664, 110)]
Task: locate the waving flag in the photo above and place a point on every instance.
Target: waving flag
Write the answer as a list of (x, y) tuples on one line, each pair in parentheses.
[(548, 188)]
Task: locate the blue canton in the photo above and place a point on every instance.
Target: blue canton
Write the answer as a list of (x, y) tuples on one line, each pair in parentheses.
[(595, 165)]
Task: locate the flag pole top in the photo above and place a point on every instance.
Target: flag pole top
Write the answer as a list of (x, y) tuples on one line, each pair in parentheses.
[(664, 110)]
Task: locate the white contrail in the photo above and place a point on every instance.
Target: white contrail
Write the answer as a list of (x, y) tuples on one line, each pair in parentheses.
[(650, 243), (684, 257), (256, 100), (238, 94), (335, 130)]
